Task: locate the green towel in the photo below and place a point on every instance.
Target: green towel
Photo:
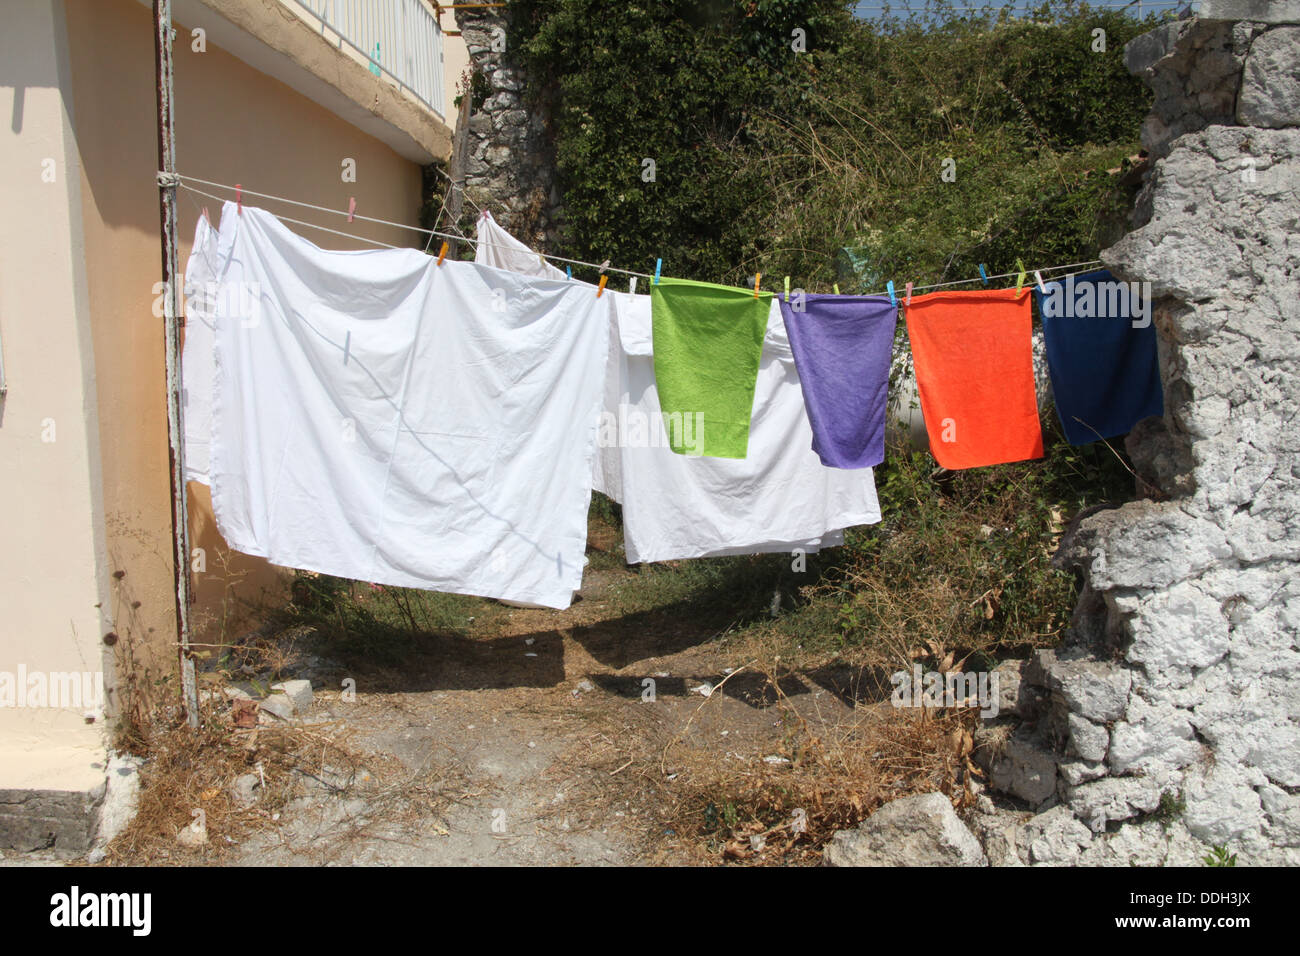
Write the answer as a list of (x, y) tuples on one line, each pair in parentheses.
[(708, 340)]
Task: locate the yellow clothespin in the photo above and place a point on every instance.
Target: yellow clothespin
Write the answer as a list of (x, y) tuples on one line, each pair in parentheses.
[(836, 287), (757, 276), (442, 252), (787, 288), (601, 287)]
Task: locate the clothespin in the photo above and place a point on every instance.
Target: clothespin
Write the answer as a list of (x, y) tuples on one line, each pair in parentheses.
[(442, 252), (757, 277), (1038, 277), (893, 299), (907, 299), (206, 217), (601, 288), (659, 263), (984, 275), (631, 286), (239, 199), (787, 288), (1020, 279), (352, 207), (836, 287), (541, 260), (568, 271), (603, 266)]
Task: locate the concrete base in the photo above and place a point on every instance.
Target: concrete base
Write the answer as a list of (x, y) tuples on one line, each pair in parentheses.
[(53, 771), (60, 820)]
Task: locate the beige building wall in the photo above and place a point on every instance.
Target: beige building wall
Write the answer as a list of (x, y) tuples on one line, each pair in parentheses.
[(234, 124), (455, 61), (52, 581)]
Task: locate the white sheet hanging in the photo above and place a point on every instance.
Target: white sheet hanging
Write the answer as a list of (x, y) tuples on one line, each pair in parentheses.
[(779, 498), (379, 417), (200, 291)]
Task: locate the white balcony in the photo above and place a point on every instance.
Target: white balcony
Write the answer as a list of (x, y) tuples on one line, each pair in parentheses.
[(398, 40)]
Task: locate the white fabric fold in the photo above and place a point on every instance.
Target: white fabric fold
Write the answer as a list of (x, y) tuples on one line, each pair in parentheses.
[(779, 498), (379, 417)]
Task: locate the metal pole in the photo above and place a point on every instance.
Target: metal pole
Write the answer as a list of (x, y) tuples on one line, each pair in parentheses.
[(167, 182)]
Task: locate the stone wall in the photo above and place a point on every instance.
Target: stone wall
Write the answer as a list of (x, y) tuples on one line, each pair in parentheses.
[(1170, 720), (510, 166)]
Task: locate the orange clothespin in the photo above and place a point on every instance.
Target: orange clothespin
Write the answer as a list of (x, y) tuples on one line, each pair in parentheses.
[(601, 287), (239, 199), (442, 252), (757, 277), (352, 207)]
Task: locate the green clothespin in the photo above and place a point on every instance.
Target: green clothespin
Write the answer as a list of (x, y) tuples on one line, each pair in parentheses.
[(836, 287), (787, 288), (1020, 279)]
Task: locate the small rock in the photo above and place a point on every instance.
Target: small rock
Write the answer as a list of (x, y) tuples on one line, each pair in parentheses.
[(191, 837), (1024, 769), (243, 791), (298, 692), (911, 831), (1009, 687), (704, 690), (278, 705)]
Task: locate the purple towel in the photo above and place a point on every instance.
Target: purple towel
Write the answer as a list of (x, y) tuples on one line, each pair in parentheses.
[(842, 346)]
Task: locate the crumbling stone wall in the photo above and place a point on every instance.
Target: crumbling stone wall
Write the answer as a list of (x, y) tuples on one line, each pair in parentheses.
[(510, 165), (1170, 722)]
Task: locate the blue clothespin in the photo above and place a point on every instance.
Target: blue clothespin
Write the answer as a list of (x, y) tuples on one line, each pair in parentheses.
[(659, 264), (568, 271), (893, 299), (984, 275)]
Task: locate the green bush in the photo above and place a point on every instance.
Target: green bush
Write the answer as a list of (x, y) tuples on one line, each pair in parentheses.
[(770, 160)]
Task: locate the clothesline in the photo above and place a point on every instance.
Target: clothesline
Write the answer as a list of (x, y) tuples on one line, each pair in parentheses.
[(383, 222), (184, 180)]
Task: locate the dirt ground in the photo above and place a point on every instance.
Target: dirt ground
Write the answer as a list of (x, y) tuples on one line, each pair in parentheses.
[(550, 745), (623, 730)]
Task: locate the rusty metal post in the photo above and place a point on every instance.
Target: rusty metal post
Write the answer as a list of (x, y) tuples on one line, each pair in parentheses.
[(167, 182)]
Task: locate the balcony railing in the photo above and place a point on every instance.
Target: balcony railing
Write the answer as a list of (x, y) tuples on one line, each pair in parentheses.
[(399, 39)]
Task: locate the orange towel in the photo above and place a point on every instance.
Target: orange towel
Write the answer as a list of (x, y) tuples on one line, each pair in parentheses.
[(974, 362)]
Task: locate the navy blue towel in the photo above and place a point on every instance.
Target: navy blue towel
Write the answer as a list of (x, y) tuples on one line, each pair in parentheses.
[(1101, 353)]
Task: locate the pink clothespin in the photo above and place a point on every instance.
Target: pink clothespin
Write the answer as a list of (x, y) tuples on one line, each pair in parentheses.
[(907, 299), (239, 199), (206, 217), (352, 207)]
